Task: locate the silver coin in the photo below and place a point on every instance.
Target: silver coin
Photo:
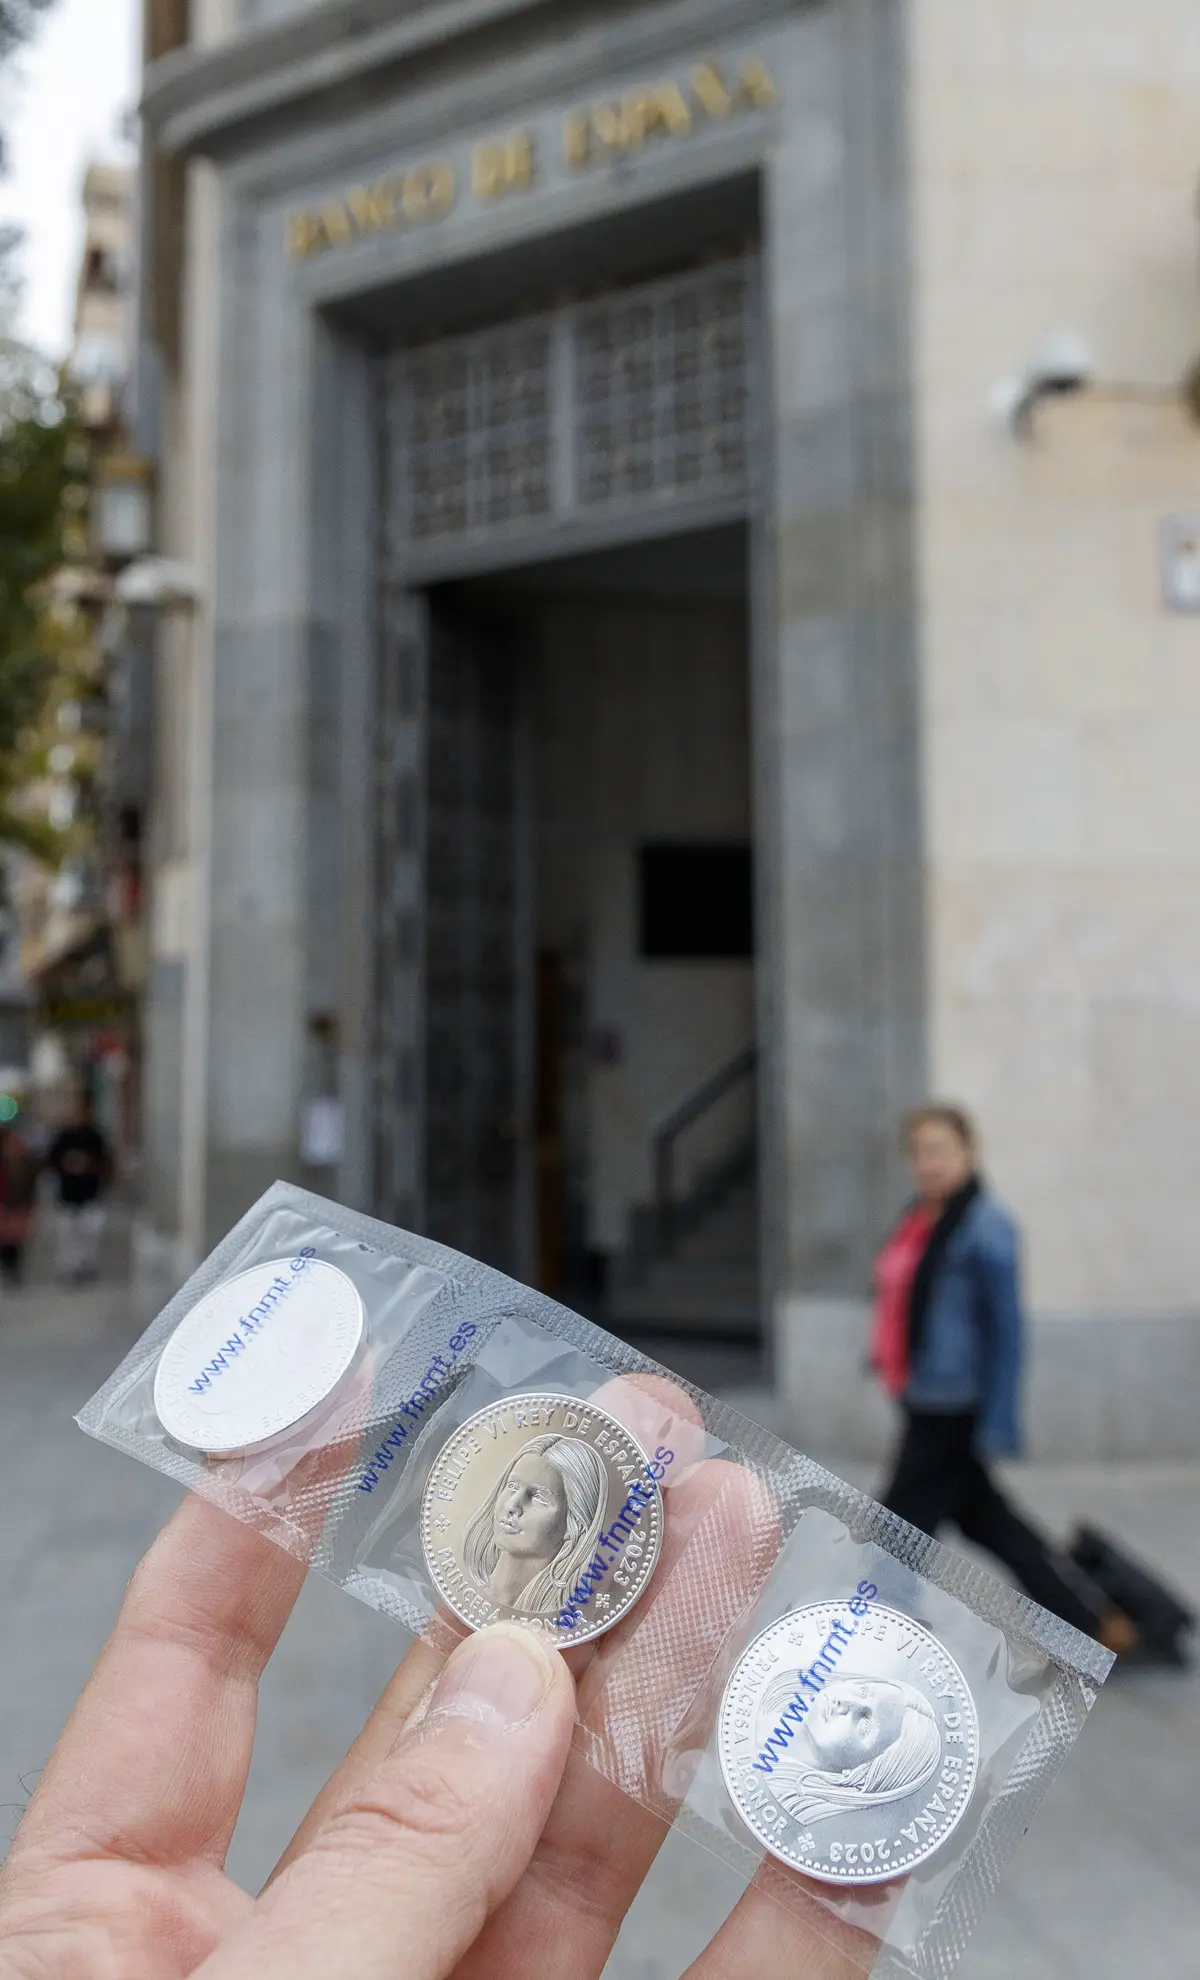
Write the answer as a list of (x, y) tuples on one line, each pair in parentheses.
[(542, 1509), (258, 1354), (849, 1741)]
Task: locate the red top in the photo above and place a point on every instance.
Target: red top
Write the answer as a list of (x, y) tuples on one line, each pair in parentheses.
[(895, 1270)]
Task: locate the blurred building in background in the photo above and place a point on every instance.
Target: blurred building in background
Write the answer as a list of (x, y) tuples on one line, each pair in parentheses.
[(79, 924), (675, 638)]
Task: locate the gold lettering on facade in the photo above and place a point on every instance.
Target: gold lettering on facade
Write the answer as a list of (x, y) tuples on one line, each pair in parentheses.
[(613, 129), (577, 139), (428, 191), (424, 193), (301, 235), (661, 109), (610, 128), (710, 90), (508, 164), (757, 83), (373, 208), (503, 165), (337, 222)]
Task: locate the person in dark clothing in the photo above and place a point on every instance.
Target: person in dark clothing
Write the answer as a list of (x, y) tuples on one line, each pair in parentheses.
[(18, 1200), (79, 1156), (948, 1344)]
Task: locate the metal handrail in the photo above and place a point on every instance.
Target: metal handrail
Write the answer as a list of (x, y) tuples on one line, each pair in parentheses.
[(669, 1127)]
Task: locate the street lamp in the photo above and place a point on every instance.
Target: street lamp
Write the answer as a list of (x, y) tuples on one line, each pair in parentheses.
[(122, 506)]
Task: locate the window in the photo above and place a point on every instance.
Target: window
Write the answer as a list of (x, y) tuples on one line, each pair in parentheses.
[(695, 902), (103, 273)]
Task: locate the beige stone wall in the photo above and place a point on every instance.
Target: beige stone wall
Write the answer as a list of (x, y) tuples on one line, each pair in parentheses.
[(212, 21), (1057, 155)]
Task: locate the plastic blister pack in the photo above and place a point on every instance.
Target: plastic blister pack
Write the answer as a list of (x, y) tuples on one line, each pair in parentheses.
[(856, 1718)]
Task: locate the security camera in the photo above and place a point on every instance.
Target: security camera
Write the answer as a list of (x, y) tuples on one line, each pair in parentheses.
[(1063, 363)]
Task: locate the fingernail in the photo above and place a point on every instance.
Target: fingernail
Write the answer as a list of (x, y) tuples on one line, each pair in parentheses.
[(498, 1676)]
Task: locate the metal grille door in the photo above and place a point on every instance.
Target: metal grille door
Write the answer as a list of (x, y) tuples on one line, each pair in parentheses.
[(603, 412), (399, 1055), (472, 965), (449, 955)]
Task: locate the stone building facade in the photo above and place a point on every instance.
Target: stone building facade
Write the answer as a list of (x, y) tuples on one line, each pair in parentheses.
[(642, 725)]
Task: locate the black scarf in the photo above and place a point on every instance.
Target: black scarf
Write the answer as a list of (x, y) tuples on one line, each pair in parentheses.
[(954, 1209)]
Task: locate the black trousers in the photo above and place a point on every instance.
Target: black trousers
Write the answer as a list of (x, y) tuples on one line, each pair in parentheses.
[(939, 1477)]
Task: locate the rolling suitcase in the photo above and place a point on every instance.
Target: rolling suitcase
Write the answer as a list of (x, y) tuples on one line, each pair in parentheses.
[(1163, 1620)]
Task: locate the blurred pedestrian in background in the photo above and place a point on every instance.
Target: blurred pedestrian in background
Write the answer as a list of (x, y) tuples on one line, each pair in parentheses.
[(81, 1160), (948, 1344), (18, 1200)]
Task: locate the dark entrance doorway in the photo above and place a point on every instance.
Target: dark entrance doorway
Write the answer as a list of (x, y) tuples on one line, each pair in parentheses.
[(589, 974), (566, 1065)]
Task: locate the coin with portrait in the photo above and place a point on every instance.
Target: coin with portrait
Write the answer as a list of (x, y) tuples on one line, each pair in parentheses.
[(849, 1741), (543, 1509)]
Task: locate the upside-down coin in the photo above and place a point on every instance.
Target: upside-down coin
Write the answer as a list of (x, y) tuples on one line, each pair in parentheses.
[(849, 1741)]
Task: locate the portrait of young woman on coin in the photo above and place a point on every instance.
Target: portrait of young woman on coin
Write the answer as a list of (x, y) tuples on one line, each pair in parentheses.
[(864, 1742), (531, 1539)]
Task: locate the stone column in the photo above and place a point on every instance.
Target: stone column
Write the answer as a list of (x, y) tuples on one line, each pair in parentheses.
[(258, 877), (839, 704)]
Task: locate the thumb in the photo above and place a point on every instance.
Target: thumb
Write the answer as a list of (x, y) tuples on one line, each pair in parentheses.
[(404, 1874)]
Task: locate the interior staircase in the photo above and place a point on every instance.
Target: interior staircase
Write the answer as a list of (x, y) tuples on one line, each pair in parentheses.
[(690, 1269)]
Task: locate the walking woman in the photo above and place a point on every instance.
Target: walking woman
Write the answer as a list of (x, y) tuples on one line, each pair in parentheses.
[(948, 1344)]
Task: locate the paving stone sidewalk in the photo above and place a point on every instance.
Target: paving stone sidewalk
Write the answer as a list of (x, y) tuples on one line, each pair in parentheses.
[(1106, 1887)]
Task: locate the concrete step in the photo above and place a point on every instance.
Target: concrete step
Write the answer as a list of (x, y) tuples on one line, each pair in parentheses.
[(686, 1275), (706, 1283), (720, 1301), (727, 1229)]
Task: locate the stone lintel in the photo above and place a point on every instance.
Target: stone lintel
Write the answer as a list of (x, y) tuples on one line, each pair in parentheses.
[(336, 59)]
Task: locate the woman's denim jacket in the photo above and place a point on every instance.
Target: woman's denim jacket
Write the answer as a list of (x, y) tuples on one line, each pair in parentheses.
[(970, 1351)]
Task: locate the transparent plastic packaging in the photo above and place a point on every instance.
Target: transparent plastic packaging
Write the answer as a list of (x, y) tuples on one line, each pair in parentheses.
[(730, 1558)]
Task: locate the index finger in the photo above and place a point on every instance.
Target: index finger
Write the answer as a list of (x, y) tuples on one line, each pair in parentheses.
[(646, 1699), (153, 1763), (785, 1923)]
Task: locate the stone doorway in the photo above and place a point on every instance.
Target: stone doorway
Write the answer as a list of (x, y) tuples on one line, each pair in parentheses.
[(581, 1070)]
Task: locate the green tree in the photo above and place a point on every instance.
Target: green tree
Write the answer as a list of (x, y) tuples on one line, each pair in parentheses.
[(39, 480), (41, 486), (42, 494), (37, 472)]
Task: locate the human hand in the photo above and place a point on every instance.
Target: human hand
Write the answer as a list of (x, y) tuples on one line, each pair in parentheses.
[(462, 1835)]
